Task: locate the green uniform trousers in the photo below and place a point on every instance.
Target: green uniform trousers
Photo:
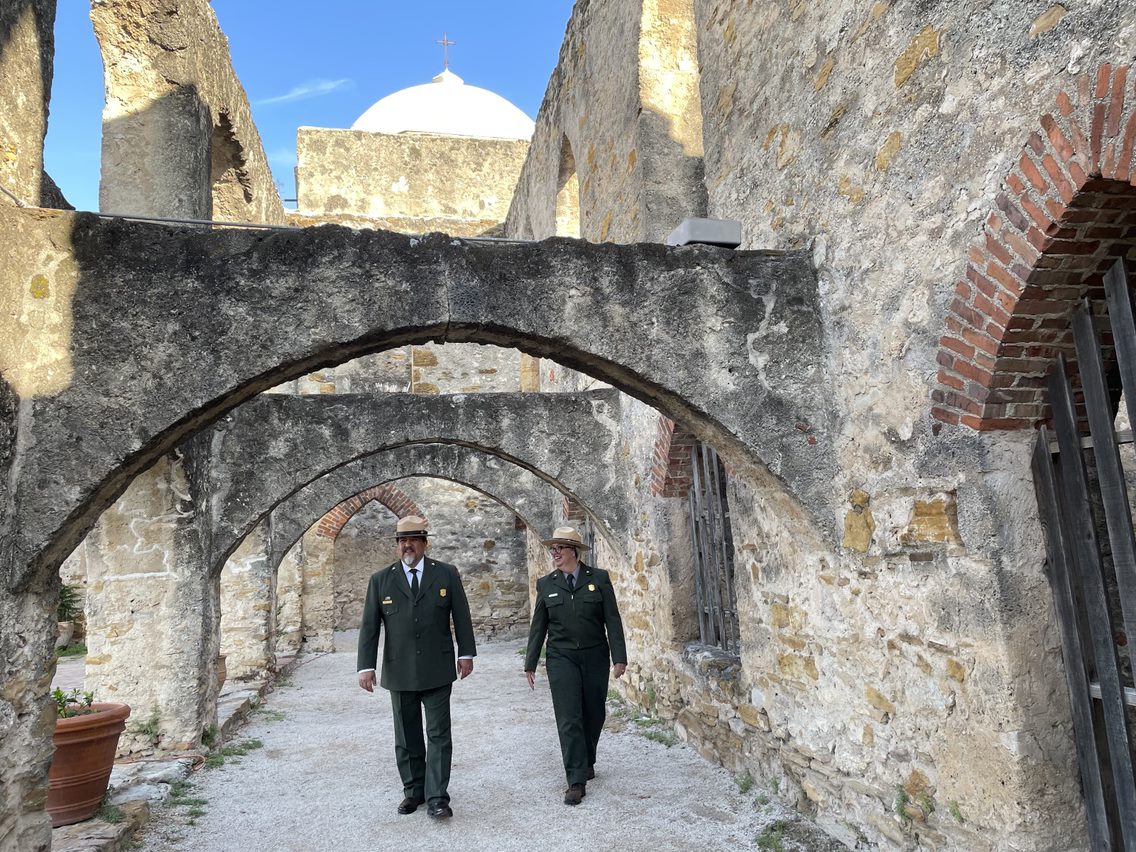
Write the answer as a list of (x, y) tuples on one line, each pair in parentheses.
[(423, 765), (578, 680)]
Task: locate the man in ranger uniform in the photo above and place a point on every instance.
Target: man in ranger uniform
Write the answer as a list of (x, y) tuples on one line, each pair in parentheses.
[(415, 599), (576, 609)]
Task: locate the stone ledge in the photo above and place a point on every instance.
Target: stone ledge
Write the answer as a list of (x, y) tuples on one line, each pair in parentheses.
[(96, 835)]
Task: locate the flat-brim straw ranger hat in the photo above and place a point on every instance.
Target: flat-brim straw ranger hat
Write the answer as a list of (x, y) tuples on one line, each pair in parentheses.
[(411, 526), (566, 536)]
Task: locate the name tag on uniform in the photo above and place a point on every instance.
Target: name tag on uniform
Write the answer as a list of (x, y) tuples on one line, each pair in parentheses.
[(553, 594), (591, 587), (387, 601), (442, 593)]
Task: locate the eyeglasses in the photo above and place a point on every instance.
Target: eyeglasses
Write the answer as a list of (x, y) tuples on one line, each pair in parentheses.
[(556, 548)]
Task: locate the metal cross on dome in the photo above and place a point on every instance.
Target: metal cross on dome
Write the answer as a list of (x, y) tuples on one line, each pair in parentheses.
[(445, 42)]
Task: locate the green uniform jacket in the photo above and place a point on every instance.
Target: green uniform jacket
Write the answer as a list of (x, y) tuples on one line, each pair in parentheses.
[(419, 650), (575, 619)]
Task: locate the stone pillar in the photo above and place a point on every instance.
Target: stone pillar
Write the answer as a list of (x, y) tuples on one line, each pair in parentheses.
[(141, 175), (248, 610), (152, 613), (530, 373), (318, 619), (25, 87), (289, 601)]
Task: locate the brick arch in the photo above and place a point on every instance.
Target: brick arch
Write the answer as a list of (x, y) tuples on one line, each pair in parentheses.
[(1067, 210), (390, 496), (671, 474)]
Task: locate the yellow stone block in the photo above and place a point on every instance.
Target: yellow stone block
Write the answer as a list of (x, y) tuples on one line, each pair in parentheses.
[(878, 700), (923, 47), (423, 357), (888, 150), (933, 521), (1047, 20), (956, 669), (824, 73)]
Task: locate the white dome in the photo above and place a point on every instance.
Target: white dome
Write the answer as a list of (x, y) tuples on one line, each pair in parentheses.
[(446, 105)]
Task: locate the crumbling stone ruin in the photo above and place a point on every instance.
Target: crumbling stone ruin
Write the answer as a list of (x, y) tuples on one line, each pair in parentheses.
[(806, 462)]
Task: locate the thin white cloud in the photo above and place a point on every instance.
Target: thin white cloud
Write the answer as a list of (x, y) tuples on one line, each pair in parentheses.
[(309, 89)]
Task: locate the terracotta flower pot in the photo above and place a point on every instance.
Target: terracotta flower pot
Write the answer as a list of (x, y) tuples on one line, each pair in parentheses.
[(85, 746)]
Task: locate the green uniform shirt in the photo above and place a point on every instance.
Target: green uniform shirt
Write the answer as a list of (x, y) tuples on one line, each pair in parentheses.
[(419, 650), (583, 618)]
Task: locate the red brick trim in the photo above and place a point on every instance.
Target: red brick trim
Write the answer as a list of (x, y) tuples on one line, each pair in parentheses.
[(670, 465), (388, 495), (573, 511), (1066, 211)]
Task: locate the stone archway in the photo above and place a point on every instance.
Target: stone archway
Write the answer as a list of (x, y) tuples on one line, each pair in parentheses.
[(88, 400), (271, 447), (626, 314), (1066, 211)]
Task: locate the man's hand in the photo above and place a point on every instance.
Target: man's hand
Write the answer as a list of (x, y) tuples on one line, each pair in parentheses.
[(618, 669), (367, 680), (532, 679), (465, 668)]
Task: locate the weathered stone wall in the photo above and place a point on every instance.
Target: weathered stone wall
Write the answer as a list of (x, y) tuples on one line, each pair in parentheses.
[(289, 601), (178, 135), (26, 48), (464, 368), (248, 609), (151, 612), (412, 182), (628, 141)]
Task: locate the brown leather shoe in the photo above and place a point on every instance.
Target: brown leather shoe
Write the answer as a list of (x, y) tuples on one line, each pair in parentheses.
[(409, 805), (591, 772), (574, 794)]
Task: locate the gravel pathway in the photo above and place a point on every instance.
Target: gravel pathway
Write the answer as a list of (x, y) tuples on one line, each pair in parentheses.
[(325, 779)]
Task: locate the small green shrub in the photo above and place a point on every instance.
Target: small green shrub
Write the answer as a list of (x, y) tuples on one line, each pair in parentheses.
[(73, 703), (110, 813), (953, 810), (744, 782), (902, 800), (762, 799), (773, 838)]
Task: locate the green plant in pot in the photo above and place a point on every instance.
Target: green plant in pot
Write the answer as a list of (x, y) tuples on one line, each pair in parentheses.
[(86, 740)]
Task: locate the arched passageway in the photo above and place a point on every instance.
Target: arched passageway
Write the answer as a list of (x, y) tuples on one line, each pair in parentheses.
[(272, 446), (135, 304)]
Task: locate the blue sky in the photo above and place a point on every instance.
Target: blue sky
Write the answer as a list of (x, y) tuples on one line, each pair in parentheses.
[(318, 64)]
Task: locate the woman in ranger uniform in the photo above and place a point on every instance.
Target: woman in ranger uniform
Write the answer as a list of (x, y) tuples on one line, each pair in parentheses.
[(576, 610)]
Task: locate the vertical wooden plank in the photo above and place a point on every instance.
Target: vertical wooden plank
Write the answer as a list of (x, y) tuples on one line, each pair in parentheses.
[(1078, 523), (704, 545), (696, 564), (712, 509), (1076, 677), (1123, 331), (725, 558), (1110, 472)]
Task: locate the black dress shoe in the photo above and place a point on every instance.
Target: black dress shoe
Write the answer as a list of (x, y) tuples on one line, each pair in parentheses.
[(409, 805), (591, 772), (574, 794), (439, 810)]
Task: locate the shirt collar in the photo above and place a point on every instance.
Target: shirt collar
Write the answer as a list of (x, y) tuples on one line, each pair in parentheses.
[(420, 564)]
